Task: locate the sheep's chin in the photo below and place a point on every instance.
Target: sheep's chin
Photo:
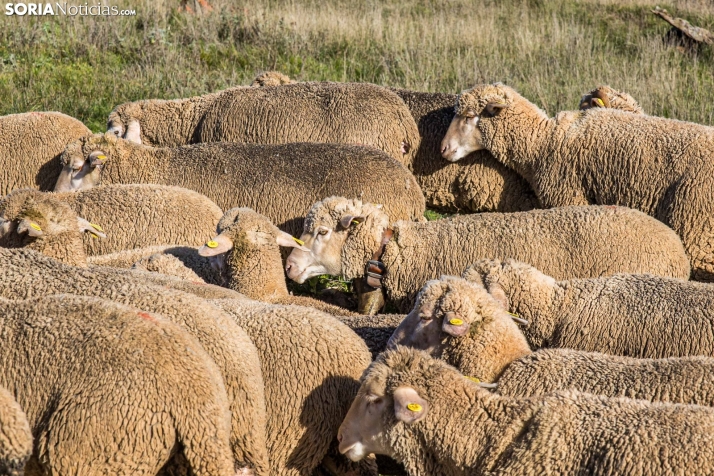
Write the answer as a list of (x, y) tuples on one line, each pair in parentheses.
[(356, 452), (458, 154), (309, 272)]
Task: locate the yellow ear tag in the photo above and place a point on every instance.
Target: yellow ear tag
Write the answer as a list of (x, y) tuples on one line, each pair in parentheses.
[(456, 322), (514, 315), (599, 102), (35, 226), (473, 379), (212, 244), (415, 407), (102, 157), (299, 242), (96, 227), (355, 222)]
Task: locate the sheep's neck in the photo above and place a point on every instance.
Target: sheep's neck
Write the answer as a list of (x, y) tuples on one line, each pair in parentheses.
[(175, 122), (362, 243), (257, 272), (64, 247), (137, 164), (468, 436)]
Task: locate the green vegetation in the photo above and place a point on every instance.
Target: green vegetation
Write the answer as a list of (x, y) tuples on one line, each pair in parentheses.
[(550, 50)]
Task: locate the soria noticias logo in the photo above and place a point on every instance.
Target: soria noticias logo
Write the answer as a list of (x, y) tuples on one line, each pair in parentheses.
[(84, 9)]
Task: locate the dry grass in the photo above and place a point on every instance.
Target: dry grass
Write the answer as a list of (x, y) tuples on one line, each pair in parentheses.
[(550, 50)]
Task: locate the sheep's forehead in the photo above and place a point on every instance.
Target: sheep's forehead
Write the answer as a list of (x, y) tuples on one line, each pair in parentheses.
[(329, 212), (475, 99)]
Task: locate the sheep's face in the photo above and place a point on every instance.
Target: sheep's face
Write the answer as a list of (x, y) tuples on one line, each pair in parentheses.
[(364, 429), (124, 129), (462, 137), (80, 172)]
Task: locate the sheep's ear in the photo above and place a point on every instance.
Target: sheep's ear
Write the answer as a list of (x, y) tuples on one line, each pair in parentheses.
[(597, 102), (91, 228), (348, 220), (409, 407), (216, 246), (497, 292), (288, 241), (493, 108), (97, 158), (29, 227), (133, 132), (454, 325)]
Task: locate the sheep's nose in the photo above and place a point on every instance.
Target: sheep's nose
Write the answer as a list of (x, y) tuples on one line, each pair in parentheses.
[(339, 437), (444, 148), (288, 267)]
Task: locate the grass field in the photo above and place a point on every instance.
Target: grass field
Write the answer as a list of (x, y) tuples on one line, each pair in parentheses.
[(550, 50)]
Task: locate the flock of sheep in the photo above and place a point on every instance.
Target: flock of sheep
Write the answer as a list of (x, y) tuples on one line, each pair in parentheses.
[(146, 326)]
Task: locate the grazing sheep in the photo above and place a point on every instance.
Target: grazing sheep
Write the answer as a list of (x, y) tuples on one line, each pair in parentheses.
[(462, 324), (343, 235), (426, 414), (660, 166), (110, 389), (478, 183), (605, 96), (15, 436), (626, 314), (345, 113), (140, 215), (271, 78), (26, 274), (311, 366), (30, 148), (279, 181)]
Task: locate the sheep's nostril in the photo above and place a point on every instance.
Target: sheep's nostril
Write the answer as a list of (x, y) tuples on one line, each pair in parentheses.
[(288, 267), (339, 437)]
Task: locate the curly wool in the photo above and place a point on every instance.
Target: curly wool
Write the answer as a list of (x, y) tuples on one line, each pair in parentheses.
[(613, 99), (311, 367), (279, 181), (470, 431), (26, 274), (635, 315), (477, 183), (30, 148), (140, 215), (567, 242), (578, 158), (15, 436), (344, 113), (88, 360)]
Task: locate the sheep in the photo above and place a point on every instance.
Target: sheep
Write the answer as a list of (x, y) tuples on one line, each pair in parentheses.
[(15, 436), (605, 96), (342, 235), (634, 315), (311, 365), (26, 274), (271, 78), (139, 215), (462, 324), (131, 383), (30, 148), (279, 181), (479, 183), (426, 414), (345, 113), (599, 156)]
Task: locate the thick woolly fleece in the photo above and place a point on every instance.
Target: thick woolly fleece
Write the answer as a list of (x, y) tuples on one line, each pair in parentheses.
[(279, 181), (468, 430), (88, 360), (604, 156), (311, 367), (627, 314), (26, 274), (610, 98), (30, 148), (345, 113), (15, 436), (495, 350), (61, 237), (476, 183), (140, 215), (568, 242)]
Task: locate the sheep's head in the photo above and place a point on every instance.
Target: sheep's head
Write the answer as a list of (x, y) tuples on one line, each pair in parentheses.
[(606, 97), (247, 250), (401, 392), (340, 235), (123, 122), (83, 162), (481, 103), (271, 78), (35, 220)]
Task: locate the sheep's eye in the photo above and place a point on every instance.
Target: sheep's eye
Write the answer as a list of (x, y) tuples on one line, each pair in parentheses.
[(322, 232), (425, 317), (373, 400), (116, 132)]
